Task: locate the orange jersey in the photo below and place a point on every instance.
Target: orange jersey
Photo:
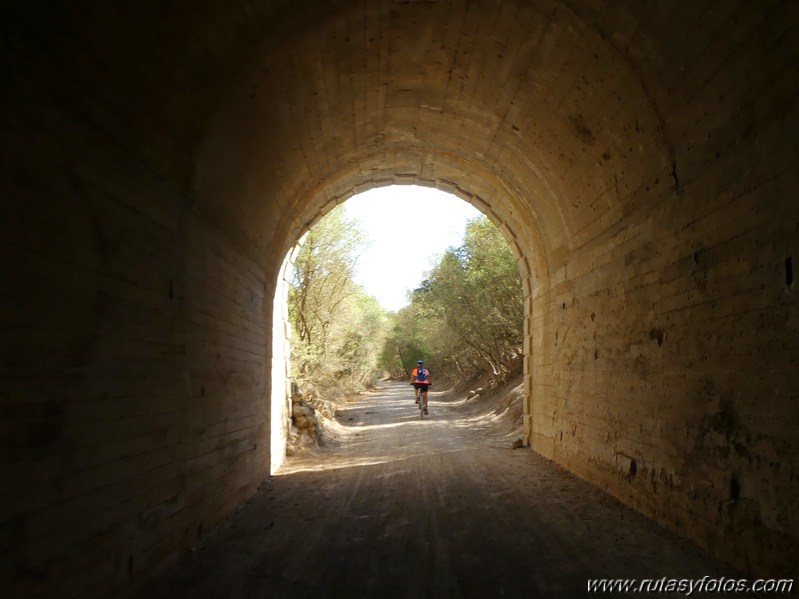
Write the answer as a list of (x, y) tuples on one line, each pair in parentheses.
[(415, 372)]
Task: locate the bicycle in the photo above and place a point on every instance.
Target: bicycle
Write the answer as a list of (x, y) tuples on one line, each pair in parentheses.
[(420, 403)]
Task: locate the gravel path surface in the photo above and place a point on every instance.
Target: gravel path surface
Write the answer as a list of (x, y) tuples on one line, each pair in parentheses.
[(396, 506)]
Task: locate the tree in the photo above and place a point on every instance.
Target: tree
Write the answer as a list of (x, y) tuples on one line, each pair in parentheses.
[(405, 344), (322, 277), (471, 305), (338, 328)]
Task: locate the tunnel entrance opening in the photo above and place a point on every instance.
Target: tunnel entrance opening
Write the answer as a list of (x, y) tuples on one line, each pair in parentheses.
[(393, 279)]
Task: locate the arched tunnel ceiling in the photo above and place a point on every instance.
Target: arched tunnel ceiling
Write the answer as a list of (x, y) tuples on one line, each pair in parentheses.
[(524, 107)]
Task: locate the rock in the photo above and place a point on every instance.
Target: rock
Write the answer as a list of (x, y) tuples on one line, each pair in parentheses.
[(296, 393), (517, 444), (303, 416)]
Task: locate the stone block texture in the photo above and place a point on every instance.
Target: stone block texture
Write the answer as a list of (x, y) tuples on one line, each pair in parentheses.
[(159, 159)]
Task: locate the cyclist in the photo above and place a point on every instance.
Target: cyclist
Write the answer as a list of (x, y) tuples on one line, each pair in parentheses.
[(420, 379)]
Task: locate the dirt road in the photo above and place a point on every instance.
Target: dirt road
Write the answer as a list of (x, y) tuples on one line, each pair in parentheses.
[(398, 507)]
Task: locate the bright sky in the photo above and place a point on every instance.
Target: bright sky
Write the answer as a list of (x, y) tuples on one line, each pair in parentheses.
[(400, 250)]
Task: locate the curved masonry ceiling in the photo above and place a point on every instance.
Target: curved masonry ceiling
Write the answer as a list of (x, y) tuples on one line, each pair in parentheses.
[(530, 119)]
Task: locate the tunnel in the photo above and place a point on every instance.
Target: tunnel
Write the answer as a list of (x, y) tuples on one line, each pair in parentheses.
[(161, 159)]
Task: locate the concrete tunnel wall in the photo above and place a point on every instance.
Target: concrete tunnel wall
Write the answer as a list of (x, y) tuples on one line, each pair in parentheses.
[(159, 162)]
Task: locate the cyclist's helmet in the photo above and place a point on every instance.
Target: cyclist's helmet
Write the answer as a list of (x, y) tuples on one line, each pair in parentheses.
[(419, 362)]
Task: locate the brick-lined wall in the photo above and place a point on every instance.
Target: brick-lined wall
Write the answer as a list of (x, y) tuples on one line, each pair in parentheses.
[(134, 411), (134, 385), (666, 340)]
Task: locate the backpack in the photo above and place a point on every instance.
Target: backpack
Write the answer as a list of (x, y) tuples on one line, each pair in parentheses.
[(421, 374)]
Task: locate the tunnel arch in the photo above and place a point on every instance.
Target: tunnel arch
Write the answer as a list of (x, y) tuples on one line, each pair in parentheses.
[(582, 124), (553, 152), (316, 209), (375, 122)]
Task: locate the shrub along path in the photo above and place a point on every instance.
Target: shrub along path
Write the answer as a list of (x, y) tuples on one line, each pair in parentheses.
[(395, 506)]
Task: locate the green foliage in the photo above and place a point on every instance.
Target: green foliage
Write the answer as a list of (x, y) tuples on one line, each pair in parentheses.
[(405, 344), (338, 329), (464, 319), (467, 315)]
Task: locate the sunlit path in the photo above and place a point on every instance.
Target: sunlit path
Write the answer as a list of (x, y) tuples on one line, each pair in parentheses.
[(384, 426), (400, 507)]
